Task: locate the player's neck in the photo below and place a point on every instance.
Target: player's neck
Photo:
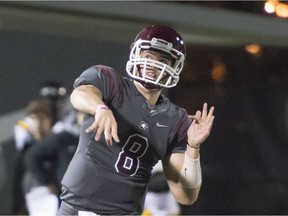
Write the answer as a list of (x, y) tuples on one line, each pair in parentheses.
[(151, 95)]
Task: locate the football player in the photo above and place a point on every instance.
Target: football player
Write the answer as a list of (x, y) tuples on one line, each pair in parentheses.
[(129, 126)]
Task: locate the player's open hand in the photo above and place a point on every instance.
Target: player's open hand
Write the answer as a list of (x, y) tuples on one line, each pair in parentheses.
[(104, 123), (200, 127)]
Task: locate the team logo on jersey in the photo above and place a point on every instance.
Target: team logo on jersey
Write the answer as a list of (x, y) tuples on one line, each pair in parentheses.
[(143, 126), (161, 125)]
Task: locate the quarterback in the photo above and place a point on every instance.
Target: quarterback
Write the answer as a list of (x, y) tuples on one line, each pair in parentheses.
[(129, 126)]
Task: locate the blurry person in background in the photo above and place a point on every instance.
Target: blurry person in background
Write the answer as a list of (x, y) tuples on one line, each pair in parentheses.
[(57, 149), (54, 95), (41, 118), (159, 200)]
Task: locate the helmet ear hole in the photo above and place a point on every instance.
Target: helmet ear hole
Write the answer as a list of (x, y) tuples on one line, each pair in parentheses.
[(161, 39)]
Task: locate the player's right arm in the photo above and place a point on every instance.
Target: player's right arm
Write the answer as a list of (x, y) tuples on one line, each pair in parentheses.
[(88, 99), (183, 171)]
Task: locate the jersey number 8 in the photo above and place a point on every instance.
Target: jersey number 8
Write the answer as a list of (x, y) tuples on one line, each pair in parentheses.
[(128, 159)]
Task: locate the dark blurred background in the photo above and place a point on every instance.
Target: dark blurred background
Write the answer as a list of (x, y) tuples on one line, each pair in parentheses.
[(236, 60)]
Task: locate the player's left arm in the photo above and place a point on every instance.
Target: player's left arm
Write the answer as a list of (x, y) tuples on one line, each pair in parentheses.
[(183, 171)]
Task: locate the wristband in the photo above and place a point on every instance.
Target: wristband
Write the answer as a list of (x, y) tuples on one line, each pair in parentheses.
[(99, 107), (191, 146)]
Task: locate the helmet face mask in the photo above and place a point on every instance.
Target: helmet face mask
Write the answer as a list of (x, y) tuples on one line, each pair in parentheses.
[(160, 39)]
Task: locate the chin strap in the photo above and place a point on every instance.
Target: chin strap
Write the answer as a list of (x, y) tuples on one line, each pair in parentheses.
[(149, 85)]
